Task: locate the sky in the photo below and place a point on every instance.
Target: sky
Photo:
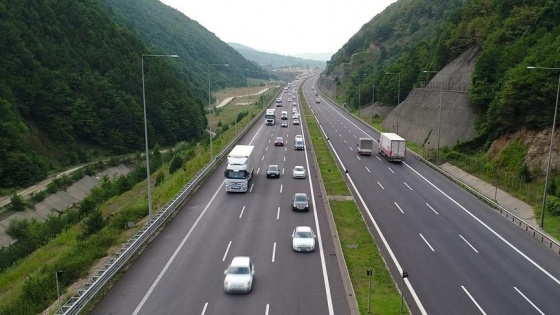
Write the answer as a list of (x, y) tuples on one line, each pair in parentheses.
[(287, 27)]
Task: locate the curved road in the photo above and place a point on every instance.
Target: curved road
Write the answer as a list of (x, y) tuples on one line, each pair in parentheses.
[(461, 256), (181, 271)]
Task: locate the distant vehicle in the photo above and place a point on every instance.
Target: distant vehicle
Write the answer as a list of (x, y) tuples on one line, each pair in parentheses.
[(317, 100), (295, 115), (303, 239), (273, 171), (279, 141), (289, 100), (270, 117), (392, 146), (300, 202), (284, 124), (316, 94), (285, 89), (294, 109), (295, 121), (284, 115), (365, 147), (239, 275), (298, 137), (279, 102), (299, 172)]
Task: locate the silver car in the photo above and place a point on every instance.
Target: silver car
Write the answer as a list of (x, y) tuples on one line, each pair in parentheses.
[(299, 172), (300, 202), (239, 275), (303, 239)]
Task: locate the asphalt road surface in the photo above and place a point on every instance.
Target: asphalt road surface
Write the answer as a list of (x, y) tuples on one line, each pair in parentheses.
[(181, 271), (461, 257)]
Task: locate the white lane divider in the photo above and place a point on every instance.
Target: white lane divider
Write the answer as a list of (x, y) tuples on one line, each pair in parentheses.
[(389, 169), (368, 169), (396, 204), (468, 243), (241, 214), (278, 214), (227, 250), (281, 186), (473, 300), (434, 210), (273, 251), (407, 185), (378, 183), (527, 299), (204, 309), (430, 246)]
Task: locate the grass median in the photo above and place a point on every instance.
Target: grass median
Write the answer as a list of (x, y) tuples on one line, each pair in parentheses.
[(358, 246)]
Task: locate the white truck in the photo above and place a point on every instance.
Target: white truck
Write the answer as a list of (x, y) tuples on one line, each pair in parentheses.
[(365, 147), (392, 146), (270, 116), (279, 102), (241, 163)]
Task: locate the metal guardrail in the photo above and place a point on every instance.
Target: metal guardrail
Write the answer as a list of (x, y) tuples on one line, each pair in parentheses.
[(102, 275), (529, 229)]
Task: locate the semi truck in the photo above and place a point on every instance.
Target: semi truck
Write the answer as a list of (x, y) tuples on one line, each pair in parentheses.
[(392, 146), (270, 116), (365, 147), (241, 163)]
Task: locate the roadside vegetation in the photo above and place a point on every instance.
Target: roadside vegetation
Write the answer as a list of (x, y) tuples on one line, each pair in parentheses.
[(360, 251), (76, 241)]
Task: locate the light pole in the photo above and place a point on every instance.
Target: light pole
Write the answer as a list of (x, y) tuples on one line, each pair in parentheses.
[(551, 142), (398, 96), (372, 101), (146, 132), (210, 106), (439, 114), (360, 92)]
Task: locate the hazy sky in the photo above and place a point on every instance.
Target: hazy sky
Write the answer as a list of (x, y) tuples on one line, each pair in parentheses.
[(287, 27)]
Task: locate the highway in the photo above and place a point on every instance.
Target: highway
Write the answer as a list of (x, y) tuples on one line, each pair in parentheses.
[(181, 270), (461, 256)]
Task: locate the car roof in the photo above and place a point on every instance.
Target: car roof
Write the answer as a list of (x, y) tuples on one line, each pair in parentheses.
[(300, 194), (303, 229), (240, 261), (298, 166)]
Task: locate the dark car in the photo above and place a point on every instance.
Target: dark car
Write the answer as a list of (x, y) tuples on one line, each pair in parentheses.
[(273, 171), (279, 141), (300, 202)]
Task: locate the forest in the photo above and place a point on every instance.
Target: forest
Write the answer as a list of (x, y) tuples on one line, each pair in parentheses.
[(71, 89), (413, 35)]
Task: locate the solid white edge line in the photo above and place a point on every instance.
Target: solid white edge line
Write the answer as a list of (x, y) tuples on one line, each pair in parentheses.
[(389, 250), (530, 302), (488, 228), (318, 231), (473, 300), (425, 241), (204, 309), (273, 251), (172, 258), (464, 239)]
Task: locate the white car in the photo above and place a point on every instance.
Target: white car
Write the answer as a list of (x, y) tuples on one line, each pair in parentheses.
[(299, 137), (303, 239), (239, 275), (299, 172)]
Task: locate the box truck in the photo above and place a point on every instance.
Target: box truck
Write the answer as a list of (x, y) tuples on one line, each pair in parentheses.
[(270, 116), (365, 147), (392, 146), (241, 162)]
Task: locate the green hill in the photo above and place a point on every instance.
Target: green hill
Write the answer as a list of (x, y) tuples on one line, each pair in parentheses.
[(71, 84), (274, 61)]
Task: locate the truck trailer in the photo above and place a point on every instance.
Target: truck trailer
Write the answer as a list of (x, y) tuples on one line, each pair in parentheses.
[(270, 116), (365, 147), (239, 172), (392, 146)]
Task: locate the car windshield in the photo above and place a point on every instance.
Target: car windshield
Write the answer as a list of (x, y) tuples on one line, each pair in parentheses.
[(238, 270), (236, 174), (299, 169), (279, 139), (273, 168), (301, 198), (304, 234)]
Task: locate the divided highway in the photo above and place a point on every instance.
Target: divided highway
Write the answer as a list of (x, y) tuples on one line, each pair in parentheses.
[(461, 256), (181, 270)]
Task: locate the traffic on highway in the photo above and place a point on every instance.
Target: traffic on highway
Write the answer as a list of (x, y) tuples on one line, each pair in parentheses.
[(268, 250)]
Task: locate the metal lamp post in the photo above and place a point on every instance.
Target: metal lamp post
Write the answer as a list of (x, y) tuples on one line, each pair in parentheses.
[(551, 143), (398, 96), (146, 132), (439, 114), (210, 106)]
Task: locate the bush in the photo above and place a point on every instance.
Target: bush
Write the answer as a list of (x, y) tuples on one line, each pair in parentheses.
[(176, 164), (17, 203), (160, 178), (39, 196), (18, 228), (553, 205), (93, 223)]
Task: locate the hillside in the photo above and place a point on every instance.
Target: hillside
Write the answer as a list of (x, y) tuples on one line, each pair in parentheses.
[(71, 85), (274, 61)]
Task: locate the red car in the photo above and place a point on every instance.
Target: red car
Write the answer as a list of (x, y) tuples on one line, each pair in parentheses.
[(279, 141)]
